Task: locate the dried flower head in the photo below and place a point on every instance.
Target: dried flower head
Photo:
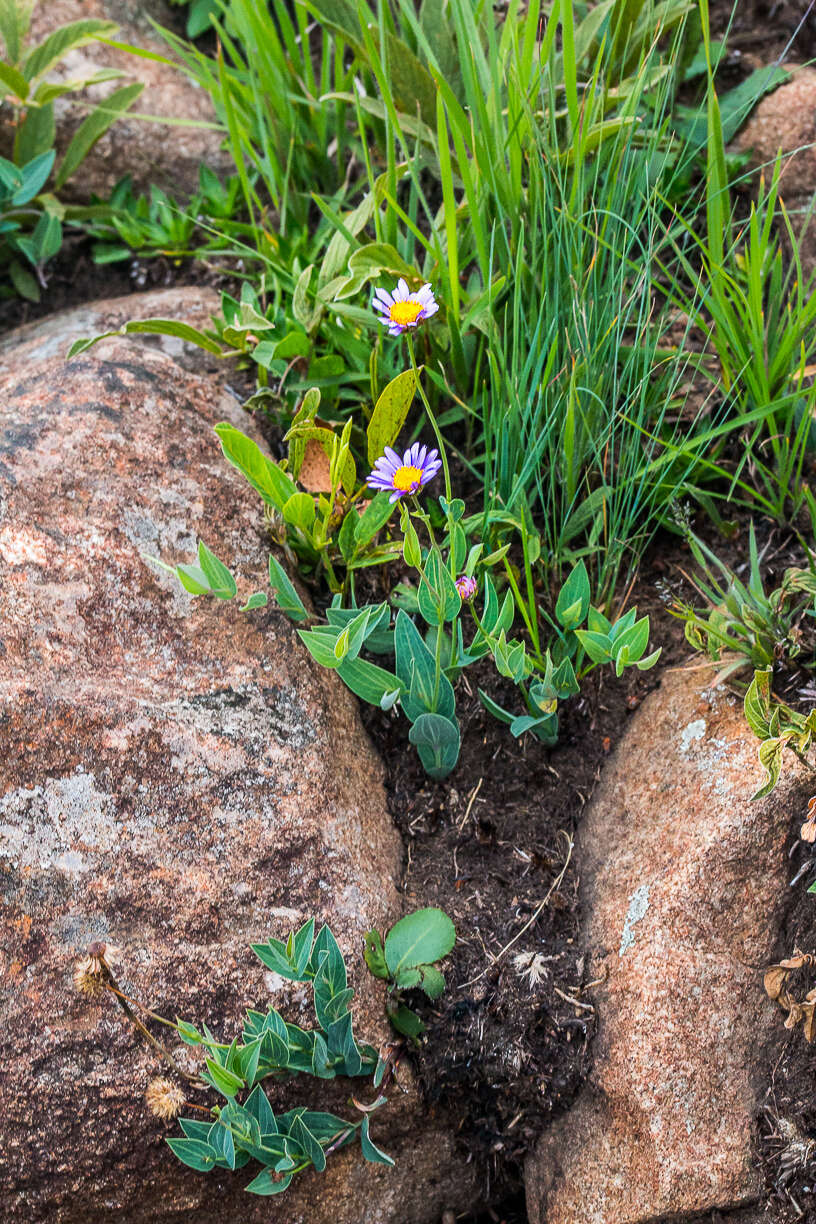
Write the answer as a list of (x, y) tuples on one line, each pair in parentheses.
[(164, 1098), (406, 475), (466, 586), (402, 308), (808, 829), (88, 979), (91, 973), (531, 965)]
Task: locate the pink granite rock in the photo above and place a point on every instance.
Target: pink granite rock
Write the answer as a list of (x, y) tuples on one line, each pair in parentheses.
[(179, 779), (785, 121), (681, 875), (151, 152)]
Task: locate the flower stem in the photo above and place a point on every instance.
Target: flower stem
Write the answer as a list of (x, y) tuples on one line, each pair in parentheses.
[(431, 418)]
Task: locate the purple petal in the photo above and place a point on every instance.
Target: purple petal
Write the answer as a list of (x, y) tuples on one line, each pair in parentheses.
[(402, 289), (384, 296), (396, 329), (376, 304), (431, 310), (395, 496), (391, 455)]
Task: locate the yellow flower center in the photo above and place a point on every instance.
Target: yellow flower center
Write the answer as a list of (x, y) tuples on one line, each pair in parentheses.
[(404, 313), (407, 479)]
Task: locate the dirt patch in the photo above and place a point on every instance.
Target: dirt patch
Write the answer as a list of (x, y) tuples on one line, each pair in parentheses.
[(767, 29), (509, 1043), (73, 278), (786, 1147)]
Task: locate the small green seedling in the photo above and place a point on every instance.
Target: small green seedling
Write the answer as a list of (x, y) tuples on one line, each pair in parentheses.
[(408, 960)]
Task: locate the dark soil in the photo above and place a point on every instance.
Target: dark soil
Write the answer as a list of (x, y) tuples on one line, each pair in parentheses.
[(786, 1130), (767, 29), (73, 278), (490, 845)]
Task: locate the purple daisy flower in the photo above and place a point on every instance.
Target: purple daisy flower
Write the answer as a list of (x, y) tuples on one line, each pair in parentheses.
[(466, 587), (402, 308), (406, 475)]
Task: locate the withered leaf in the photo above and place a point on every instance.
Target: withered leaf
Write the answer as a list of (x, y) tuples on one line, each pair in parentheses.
[(315, 470), (810, 1021), (774, 980)]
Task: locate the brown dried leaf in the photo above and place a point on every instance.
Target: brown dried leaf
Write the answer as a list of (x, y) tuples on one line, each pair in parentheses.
[(810, 1020), (315, 470), (774, 981), (795, 1014)]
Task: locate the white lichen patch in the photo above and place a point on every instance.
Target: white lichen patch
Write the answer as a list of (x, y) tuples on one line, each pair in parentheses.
[(59, 826), (638, 905), (692, 734)]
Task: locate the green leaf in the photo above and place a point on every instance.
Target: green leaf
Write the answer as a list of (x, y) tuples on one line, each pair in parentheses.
[(389, 414), (572, 604), (433, 981), (308, 1144), (65, 38), (411, 552), (377, 257), (223, 1081), (222, 1143), (299, 511), (188, 1033), (269, 1182), (15, 19), (368, 681), (258, 600), (757, 704), (416, 669), (265, 476), (492, 707), (302, 941), (294, 344), (193, 1152), (438, 598), (320, 643), (285, 594), (597, 645), (419, 939), (373, 519), (152, 327), (221, 582), (305, 315), (36, 134), (33, 178), (370, 1151), (374, 954), (95, 126), (257, 1104), (24, 283), (634, 640), (405, 1020), (770, 758)]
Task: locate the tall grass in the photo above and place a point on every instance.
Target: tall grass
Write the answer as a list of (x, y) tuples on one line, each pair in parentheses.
[(525, 167)]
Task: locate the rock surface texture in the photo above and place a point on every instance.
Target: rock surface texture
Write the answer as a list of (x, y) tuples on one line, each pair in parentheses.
[(150, 152), (786, 120), (179, 779), (681, 875)]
